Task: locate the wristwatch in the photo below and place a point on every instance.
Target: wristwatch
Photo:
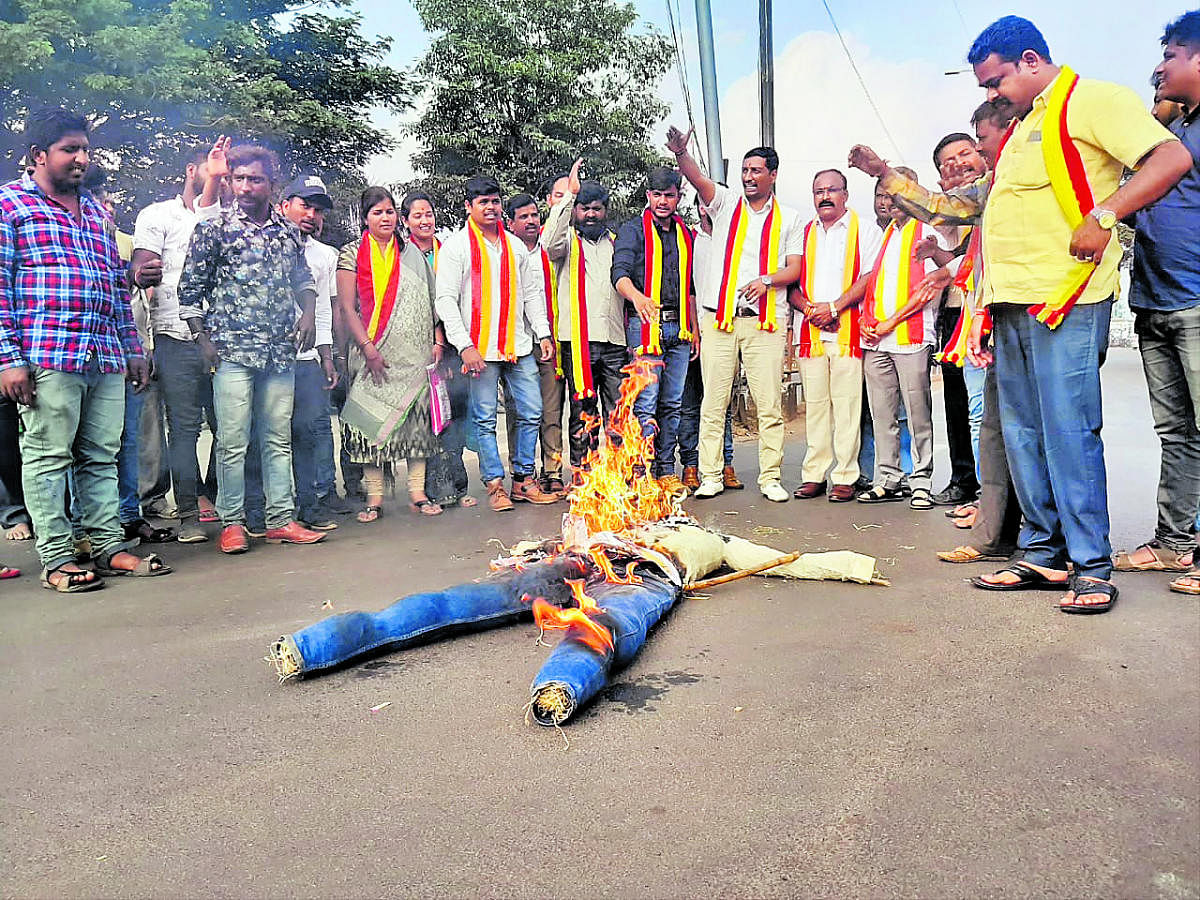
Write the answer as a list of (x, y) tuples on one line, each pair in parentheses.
[(1106, 218), (766, 280)]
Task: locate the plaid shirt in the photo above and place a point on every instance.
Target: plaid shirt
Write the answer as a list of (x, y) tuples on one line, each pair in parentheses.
[(63, 297)]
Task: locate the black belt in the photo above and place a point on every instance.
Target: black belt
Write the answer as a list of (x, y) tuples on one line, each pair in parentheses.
[(669, 315), (747, 313)]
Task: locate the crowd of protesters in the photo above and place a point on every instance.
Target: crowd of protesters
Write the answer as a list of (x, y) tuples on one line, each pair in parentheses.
[(225, 309)]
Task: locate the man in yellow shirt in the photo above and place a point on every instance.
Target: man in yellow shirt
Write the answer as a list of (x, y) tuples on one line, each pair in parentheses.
[(1049, 277)]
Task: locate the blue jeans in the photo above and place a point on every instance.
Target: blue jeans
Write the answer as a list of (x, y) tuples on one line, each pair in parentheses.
[(660, 405), (1051, 413), (127, 458), (689, 420), (243, 396), (975, 379), (521, 382), (312, 439), (75, 427)]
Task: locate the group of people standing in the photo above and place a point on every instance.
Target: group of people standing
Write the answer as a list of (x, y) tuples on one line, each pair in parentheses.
[(254, 325)]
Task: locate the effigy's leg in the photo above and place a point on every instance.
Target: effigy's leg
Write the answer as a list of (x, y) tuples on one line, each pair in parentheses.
[(417, 618), (576, 671)]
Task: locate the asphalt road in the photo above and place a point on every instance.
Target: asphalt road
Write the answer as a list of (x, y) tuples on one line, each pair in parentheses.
[(776, 739)]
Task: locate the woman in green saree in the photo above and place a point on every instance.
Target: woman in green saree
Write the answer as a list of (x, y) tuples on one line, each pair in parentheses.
[(385, 291)]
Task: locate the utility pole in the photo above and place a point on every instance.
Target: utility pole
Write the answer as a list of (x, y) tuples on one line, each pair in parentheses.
[(766, 74), (708, 86)]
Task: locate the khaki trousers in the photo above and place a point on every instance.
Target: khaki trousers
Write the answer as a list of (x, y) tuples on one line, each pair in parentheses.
[(832, 416), (762, 357)]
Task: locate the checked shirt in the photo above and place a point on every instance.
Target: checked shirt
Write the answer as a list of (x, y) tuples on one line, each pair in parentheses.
[(63, 297)]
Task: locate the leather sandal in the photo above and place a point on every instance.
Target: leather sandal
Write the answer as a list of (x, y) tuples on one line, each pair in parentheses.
[(73, 582), (1028, 579), (1084, 586), (968, 554)]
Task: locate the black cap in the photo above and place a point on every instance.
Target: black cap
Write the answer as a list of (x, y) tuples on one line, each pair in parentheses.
[(310, 188)]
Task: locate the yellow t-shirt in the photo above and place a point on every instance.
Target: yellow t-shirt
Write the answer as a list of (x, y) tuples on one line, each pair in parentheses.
[(1026, 237)]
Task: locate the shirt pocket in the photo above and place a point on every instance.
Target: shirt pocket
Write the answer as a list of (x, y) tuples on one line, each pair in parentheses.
[(1026, 167)]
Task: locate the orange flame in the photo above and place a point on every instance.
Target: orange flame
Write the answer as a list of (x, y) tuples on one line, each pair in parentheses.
[(617, 491), (604, 564), (550, 618)]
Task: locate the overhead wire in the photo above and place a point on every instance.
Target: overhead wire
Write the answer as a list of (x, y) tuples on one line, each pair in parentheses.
[(681, 71), (861, 82)]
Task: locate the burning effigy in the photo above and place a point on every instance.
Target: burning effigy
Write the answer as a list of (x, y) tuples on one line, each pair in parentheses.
[(626, 555)]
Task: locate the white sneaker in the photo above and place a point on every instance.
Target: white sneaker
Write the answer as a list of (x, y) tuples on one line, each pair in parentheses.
[(709, 487), (774, 492)]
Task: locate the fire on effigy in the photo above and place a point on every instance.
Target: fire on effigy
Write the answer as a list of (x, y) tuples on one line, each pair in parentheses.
[(626, 555)]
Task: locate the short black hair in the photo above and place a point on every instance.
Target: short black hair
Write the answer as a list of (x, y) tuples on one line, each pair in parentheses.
[(481, 186), (770, 157), (999, 112), (48, 125), (837, 172), (945, 142), (548, 184), (1008, 38), (1184, 31), (371, 197), (517, 201), (663, 179), (592, 191), (197, 157), (247, 154), (410, 198)]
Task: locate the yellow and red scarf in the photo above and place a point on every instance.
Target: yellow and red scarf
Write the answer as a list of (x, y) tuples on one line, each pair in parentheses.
[(768, 261), (550, 286), (482, 301), (811, 344), (652, 278), (912, 270), (970, 274), (581, 354), (377, 270), (437, 249)]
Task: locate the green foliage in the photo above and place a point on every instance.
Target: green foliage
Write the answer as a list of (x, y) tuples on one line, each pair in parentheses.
[(160, 78), (520, 88)]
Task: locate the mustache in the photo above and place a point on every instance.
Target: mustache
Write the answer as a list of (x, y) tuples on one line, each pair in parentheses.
[(592, 230)]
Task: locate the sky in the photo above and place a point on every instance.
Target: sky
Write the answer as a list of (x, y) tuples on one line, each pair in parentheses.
[(821, 109)]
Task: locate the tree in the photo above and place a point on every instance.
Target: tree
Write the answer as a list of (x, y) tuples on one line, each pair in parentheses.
[(520, 88), (159, 78)]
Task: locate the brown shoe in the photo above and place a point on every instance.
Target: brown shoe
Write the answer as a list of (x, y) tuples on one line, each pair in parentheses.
[(527, 490), (672, 485), (809, 489), (497, 497), (841, 493), (691, 477), (294, 533), (730, 480), (233, 539)]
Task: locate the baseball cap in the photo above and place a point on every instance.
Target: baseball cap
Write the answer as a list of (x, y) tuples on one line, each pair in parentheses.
[(310, 188)]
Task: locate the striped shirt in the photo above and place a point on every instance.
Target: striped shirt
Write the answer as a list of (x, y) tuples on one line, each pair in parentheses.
[(63, 297)]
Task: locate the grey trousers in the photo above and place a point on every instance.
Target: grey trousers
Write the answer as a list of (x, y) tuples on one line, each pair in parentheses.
[(998, 522), (894, 379)]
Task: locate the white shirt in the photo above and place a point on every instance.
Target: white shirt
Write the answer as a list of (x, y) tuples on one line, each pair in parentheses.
[(453, 294), (322, 262), (791, 243), (830, 267), (888, 275), (706, 293), (166, 228)]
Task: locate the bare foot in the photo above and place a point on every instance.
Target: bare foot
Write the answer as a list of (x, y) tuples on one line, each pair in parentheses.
[(19, 532)]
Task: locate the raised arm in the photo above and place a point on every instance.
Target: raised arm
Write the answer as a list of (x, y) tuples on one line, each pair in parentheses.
[(961, 206), (677, 143)]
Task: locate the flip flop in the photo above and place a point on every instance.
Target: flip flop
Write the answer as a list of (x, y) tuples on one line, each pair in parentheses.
[(369, 514), (147, 533), (968, 554), (149, 566), (1186, 584), (1028, 579), (1093, 586), (961, 511), (9, 572), (425, 507)]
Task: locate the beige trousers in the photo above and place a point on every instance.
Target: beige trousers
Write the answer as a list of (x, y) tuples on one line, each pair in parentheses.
[(832, 414), (762, 357)]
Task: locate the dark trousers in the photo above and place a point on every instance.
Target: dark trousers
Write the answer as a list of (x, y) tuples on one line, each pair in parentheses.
[(186, 388), (312, 440), (958, 412), (1049, 391), (689, 420), (446, 479), (584, 422), (1170, 346), (999, 518), (12, 496), (352, 472)]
